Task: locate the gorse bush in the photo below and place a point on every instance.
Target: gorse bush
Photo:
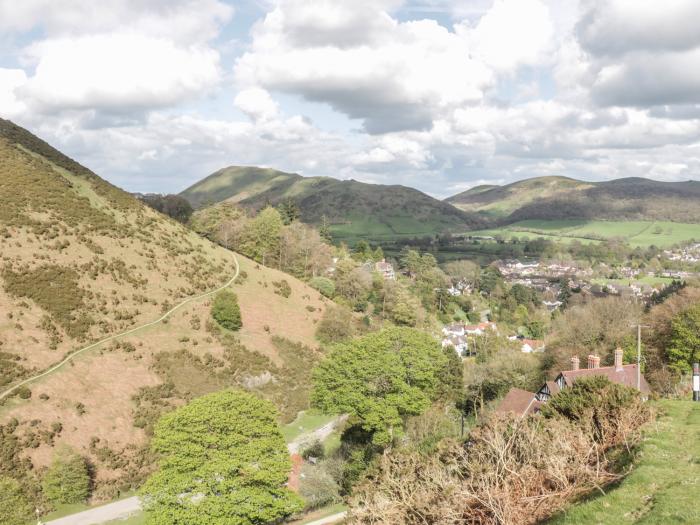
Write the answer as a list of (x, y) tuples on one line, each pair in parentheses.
[(225, 310), (511, 471), (323, 285)]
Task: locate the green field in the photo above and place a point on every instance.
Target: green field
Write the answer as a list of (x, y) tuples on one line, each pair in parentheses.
[(389, 228), (664, 486), (636, 233)]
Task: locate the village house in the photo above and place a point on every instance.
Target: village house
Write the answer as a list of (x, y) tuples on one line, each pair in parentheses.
[(517, 402), (386, 269), (531, 345), (481, 328), (458, 342)]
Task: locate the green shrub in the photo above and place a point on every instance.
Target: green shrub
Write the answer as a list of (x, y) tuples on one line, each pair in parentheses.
[(315, 450), (317, 487), (24, 393), (323, 285), (225, 310), (14, 507), (337, 325), (282, 288), (67, 480)]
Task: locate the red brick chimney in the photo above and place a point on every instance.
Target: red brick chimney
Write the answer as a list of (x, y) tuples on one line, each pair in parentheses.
[(593, 361), (618, 359), (575, 362)]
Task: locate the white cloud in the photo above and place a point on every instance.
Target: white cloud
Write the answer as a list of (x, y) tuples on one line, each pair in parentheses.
[(398, 78), (511, 33), (10, 80), (257, 104), (120, 72)]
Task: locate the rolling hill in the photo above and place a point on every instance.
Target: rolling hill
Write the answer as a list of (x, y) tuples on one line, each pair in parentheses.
[(351, 208), (82, 260), (557, 198)]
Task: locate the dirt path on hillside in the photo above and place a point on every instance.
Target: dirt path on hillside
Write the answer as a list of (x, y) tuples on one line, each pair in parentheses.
[(128, 332), (319, 434)]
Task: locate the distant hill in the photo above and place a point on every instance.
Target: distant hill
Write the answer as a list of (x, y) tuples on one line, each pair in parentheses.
[(553, 198), (81, 260), (351, 208)]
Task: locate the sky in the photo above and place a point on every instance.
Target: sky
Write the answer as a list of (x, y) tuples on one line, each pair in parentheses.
[(154, 95)]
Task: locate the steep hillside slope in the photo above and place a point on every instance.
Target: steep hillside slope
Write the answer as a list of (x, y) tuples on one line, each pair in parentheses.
[(500, 201), (235, 183), (554, 198), (81, 260), (351, 208)]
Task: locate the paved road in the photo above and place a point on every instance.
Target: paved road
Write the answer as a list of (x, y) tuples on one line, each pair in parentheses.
[(112, 511), (116, 336), (328, 520)]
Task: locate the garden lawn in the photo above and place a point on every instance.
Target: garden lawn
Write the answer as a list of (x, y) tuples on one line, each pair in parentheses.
[(663, 487)]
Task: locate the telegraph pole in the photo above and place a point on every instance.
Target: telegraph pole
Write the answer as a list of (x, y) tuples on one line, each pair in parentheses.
[(639, 355)]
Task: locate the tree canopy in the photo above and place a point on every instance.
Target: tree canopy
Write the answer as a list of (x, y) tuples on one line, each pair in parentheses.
[(380, 378), (684, 349), (68, 479), (223, 460), (14, 507), (225, 310)]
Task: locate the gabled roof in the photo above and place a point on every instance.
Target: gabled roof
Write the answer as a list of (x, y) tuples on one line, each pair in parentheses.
[(519, 402), (627, 376)]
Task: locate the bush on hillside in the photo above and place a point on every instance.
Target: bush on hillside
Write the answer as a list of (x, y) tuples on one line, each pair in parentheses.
[(67, 480), (324, 286), (314, 450), (511, 470), (317, 487), (225, 310), (602, 407), (337, 325)]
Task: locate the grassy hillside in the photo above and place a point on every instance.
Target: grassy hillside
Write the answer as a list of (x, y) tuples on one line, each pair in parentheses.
[(235, 183), (662, 489), (636, 233), (556, 198), (81, 260), (352, 209)]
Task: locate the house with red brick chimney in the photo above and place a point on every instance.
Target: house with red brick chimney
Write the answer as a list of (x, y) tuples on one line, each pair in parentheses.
[(627, 375)]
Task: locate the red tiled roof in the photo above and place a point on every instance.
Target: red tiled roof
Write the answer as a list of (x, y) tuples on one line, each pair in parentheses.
[(520, 402), (627, 376)]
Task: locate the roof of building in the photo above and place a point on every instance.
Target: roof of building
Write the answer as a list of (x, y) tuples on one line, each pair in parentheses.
[(627, 376), (553, 387), (519, 402), (534, 343)]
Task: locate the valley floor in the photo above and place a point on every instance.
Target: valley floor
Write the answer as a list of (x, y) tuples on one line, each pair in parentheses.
[(664, 486)]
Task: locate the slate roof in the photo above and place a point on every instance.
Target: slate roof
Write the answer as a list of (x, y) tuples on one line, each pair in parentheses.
[(627, 376), (519, 402)]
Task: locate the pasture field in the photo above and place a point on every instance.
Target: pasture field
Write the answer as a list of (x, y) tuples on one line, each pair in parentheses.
[(662, 234)]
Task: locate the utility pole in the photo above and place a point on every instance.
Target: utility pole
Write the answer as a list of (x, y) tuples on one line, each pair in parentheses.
[(639, 355)]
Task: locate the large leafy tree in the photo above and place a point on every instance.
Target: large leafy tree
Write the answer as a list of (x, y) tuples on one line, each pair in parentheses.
[(684, 348), (223, 460), (14, 507), (68, 479), (381, 378)]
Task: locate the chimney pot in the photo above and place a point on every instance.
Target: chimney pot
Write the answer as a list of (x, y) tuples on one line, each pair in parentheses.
[(593, 361), (575, 363), (618, 359)]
